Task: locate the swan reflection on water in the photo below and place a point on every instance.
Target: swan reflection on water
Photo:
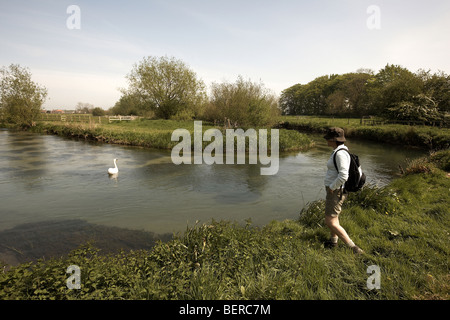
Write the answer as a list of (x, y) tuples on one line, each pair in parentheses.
[(114, 176)]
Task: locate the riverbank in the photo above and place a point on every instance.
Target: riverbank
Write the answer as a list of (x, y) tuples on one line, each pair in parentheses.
[(154, 133), (402, 227), (293, 130), (431, 138)]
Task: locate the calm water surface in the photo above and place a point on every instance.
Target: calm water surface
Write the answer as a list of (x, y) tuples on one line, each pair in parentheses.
[(44, 177)]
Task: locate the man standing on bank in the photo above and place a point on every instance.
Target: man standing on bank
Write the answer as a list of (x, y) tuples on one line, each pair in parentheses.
[(334, 185)]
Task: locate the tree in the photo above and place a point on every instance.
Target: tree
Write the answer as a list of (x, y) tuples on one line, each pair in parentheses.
[(131, 104), (167, 86), (311, 98), (98, 112), (289, 100), (354, 89), (391, 85), (246, 103), (437, 86), (84, 107), (20, 98), (317, 93), (337, 103), (393, 89), (419, 108)]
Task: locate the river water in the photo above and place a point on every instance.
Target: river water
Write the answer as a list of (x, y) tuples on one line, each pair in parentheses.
[(50, 178)]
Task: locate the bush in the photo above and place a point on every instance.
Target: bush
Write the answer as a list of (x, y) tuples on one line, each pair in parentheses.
[(183, 115), (244, 103), (98, 112)]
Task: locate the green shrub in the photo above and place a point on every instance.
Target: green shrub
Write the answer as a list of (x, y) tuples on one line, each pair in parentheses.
[(244, 103)]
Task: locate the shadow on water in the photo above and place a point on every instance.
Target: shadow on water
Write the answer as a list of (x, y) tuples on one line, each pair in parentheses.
[(51, 239)]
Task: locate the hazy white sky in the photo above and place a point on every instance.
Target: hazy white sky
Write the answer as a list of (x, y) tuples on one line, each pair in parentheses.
[(278, 42)]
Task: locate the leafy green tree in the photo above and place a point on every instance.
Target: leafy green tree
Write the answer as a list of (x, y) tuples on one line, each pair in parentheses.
[(437, 86), (246, 103), (98, 112), (290, 101), (390, 86), (311, 98), (394, 92), (167, 86), (20, 97), (418, 108), (131, 104), (307, 99), (337, 103), (354, 89)]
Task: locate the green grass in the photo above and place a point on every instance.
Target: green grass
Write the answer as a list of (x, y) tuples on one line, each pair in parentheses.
[(154, 133), (402, 227), (157, 133), (432, 138)]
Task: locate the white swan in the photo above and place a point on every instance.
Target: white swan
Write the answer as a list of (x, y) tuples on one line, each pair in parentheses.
[(114, 170)]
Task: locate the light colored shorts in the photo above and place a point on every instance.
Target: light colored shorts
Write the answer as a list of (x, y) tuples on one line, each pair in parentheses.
[(333, 202)]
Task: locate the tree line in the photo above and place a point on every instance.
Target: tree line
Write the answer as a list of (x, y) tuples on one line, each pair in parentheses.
[(393, 92), (166, 88)]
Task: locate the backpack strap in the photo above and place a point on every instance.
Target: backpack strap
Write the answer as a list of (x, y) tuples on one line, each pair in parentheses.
[(334, 158), (335, 165)]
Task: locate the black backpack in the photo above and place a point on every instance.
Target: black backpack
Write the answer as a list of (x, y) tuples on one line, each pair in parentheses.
[(356, 178)]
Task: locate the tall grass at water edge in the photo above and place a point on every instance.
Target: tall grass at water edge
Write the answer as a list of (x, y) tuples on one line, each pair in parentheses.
[(403, 228)]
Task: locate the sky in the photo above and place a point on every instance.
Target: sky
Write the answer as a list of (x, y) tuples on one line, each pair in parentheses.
[(84, 55)]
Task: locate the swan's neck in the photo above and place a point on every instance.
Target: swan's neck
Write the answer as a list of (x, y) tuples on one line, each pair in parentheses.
[(115, 164)]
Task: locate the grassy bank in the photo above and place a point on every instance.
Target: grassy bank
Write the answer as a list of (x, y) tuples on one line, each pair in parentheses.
[(432, 138), (402, 227), (153, 133)]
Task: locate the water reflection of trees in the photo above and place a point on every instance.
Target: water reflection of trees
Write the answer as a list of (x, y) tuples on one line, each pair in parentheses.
[(27, 155), (233, 183)]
